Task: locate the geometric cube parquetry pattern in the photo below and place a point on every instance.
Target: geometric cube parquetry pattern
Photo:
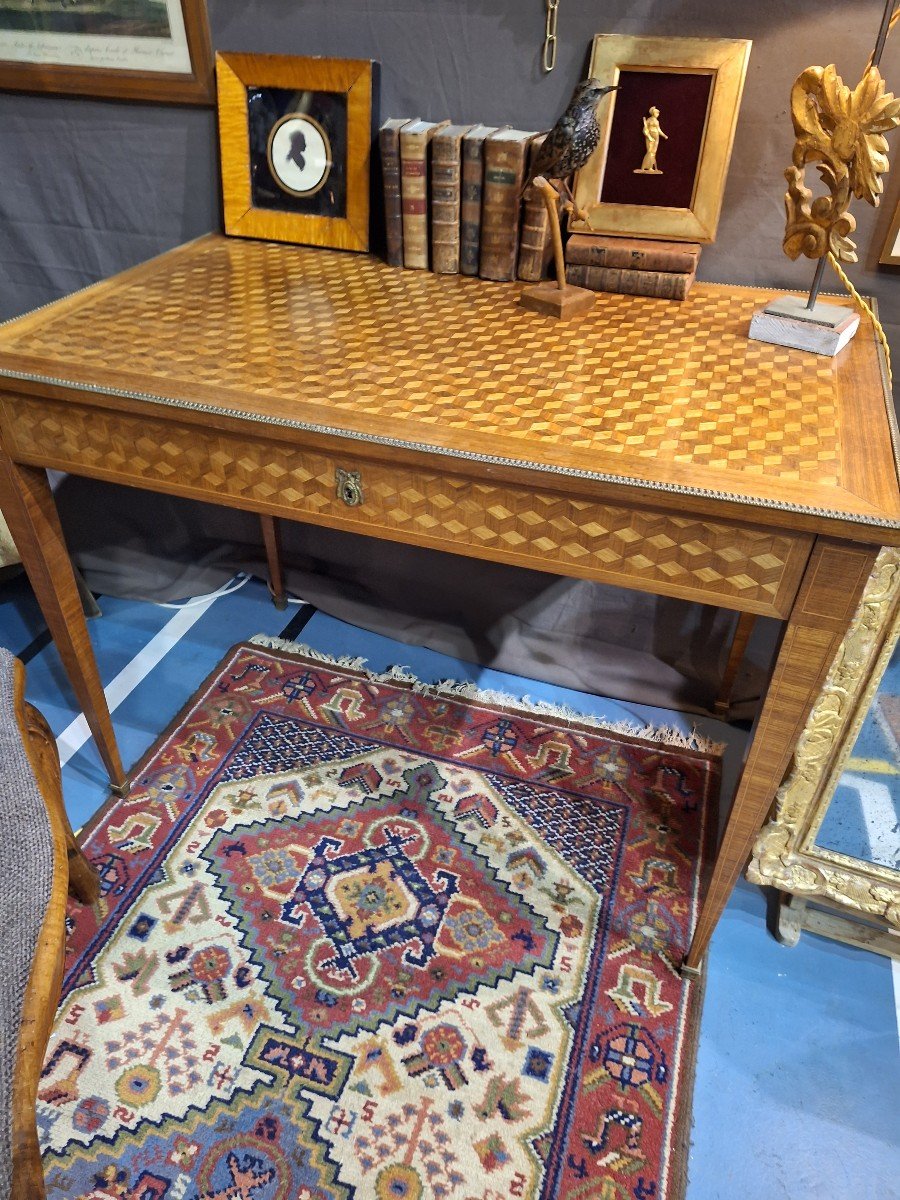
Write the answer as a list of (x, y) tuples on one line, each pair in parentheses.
[(652, 380), (752, 569)]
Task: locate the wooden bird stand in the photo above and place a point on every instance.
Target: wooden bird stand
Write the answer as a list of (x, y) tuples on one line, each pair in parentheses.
[(555, 298)]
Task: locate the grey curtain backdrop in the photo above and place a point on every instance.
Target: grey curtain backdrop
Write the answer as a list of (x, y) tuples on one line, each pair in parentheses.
[(88, 188)]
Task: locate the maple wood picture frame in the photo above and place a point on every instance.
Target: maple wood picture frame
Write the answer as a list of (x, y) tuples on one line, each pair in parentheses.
[(703, 79), (274, 191), (890, 254), (83, 53)]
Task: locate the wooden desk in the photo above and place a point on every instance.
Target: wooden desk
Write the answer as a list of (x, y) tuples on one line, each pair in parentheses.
[(649, 444)]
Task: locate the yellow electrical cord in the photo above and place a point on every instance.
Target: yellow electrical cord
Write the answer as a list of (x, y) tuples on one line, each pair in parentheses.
[(879, 329), (845, 278)]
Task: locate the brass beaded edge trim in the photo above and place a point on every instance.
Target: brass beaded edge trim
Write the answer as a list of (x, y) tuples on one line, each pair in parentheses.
[(32, 312), (96, 283), (466, 455)]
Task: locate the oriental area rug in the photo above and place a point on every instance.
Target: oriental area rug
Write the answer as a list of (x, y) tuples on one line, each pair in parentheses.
[(362, 938)]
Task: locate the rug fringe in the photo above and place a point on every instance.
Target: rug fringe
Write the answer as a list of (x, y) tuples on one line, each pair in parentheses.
[(666, 735), (278, 643)]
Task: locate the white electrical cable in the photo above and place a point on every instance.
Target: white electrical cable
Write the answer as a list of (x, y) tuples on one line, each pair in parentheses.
[(233, 585), (226, 589)]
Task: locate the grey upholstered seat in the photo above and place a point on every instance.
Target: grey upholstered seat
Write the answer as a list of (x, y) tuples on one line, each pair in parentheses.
[(26, 871)]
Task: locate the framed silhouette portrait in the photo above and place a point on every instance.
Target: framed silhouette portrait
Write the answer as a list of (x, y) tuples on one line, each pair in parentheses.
[(666, 135), (296, 135)]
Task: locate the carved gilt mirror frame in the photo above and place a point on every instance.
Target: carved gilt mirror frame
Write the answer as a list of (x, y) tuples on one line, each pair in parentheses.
[(786, 855)]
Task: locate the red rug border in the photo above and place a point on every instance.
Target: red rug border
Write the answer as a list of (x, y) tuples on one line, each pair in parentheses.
[(88, 828)]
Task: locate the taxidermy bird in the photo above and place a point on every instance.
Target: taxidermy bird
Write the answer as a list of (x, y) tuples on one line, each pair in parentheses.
[(573, 139)]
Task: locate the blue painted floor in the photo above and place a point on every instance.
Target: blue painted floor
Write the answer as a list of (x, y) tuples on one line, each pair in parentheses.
[(797, 1092)]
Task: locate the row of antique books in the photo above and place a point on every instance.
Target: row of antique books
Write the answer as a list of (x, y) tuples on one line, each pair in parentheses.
[(453, 198)]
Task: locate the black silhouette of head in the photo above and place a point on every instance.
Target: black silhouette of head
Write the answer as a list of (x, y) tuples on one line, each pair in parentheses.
[(298, 145)]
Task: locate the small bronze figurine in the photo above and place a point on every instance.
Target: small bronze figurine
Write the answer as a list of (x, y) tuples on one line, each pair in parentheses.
[(652, 133)]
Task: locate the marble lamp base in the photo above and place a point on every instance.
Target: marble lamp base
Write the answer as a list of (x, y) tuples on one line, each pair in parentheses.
[(823, 329)]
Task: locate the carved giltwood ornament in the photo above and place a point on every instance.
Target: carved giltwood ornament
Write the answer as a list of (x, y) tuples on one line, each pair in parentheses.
[(842, 132), (785, 855)]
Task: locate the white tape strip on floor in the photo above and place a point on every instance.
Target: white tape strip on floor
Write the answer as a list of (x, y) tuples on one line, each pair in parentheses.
[(75, 735)]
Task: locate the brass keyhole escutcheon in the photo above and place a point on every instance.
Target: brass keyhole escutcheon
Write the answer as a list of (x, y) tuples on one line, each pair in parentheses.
[(349, 486)]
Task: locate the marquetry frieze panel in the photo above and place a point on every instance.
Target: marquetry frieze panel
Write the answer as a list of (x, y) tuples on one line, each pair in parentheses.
[(747, 568)]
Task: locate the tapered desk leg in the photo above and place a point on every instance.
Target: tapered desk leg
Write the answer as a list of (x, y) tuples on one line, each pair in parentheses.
[(826, 602), (272, 538), (742, 632), (30, 511)]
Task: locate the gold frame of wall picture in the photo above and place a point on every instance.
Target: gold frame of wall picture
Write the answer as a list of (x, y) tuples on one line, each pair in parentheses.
[(724, 61), (312, 217), (177, 69), (890, 254)]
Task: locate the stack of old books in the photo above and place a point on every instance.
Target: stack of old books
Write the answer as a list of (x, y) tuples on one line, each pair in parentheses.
[(456, 202), (453, 197), (637, 267)]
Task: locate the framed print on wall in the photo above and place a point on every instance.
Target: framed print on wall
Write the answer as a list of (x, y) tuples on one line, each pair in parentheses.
[(666, 135), (156, 50), (890, 255), (296, 136)]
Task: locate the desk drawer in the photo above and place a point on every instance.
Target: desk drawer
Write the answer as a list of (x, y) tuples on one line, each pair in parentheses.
[(753, 569)]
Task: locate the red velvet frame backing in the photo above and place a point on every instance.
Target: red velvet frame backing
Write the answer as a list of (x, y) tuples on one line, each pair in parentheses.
[(683, 101)]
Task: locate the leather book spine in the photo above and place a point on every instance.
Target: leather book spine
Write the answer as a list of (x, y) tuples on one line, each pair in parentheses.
[(470, 206), (504, 174), (415, 160), (389, 143), (445, 201), (664, 285), (632, 254), (535, 249)]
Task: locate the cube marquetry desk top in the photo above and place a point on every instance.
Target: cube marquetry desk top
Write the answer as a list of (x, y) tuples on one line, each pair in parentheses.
[(670, 399)]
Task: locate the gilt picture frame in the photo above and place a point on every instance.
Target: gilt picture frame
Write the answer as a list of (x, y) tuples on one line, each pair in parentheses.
[(890, 254), (788, 853), (666, 136), (296, 137), (154, 50)]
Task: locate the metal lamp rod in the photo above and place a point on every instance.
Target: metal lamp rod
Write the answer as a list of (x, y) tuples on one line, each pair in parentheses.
[(817, 281), (873, 62), (882, 33)]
